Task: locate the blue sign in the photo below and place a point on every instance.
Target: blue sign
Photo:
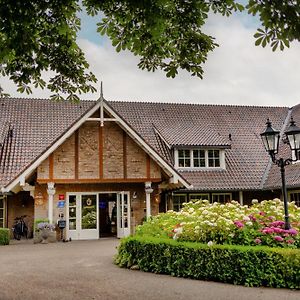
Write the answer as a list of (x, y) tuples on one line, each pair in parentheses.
[(61, 204)]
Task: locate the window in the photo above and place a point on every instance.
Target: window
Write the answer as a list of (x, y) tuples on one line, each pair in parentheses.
[(199, 158), (295, 196), (184, 158), (199, 197), (221, 197), (213, 158), (2, 211), (177, 202)]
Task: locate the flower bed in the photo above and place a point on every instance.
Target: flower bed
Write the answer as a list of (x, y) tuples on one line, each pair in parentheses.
[(231, 223)]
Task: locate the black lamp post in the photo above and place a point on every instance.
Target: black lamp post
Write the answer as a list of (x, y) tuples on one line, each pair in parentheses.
[(270, 139)]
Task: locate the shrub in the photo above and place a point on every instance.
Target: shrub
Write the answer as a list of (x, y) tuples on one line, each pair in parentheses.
[(231, 223), (4, 236), (243, 265)]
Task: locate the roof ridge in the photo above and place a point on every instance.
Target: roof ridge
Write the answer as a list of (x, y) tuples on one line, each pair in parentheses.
[(197, 104), (41, 99)]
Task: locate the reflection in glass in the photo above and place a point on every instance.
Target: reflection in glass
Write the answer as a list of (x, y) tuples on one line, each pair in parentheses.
[(72, 212), (88, 212)]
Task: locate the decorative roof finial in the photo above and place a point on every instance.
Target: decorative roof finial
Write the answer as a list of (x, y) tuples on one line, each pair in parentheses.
[(101, 98), (101, 90)]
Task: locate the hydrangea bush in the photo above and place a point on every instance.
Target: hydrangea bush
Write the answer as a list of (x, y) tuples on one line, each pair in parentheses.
[(231, 223)]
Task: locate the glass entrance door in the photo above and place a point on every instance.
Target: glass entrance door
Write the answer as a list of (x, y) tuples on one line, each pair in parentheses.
[(123, 214), (83, 216)]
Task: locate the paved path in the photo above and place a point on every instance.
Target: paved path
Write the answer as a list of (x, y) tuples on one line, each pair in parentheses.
[(84, 270)]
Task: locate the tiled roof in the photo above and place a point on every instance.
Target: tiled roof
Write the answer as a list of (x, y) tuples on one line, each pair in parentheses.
[(4, 128), (237, 126), (292, 171), (37, 124)]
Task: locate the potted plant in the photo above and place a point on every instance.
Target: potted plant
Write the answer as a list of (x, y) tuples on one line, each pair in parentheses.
[(45, 229)]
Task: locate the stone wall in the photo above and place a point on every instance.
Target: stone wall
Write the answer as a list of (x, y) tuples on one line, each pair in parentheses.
[(88, 162), (112, 151), (64, 160)]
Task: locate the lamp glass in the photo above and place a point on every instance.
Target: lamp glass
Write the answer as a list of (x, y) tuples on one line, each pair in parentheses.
[(271, 141)]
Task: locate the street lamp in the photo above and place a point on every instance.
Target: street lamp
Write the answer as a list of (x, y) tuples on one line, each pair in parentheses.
[(270, 138)]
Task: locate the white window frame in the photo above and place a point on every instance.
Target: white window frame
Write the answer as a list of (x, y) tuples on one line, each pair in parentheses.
[(294, 192), (221, 157), (3, 197), (220, 194), (204, 196), (180, 195)]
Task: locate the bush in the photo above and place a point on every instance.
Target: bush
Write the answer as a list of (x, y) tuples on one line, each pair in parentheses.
[(230, 223), (243, 265), (4, 236)]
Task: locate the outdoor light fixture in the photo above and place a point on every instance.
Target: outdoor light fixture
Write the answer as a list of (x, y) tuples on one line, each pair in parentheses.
[(270, 138)]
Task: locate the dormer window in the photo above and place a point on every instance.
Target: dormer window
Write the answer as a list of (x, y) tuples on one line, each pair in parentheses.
[(199, 158)]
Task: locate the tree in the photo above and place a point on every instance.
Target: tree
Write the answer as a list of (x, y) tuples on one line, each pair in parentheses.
[(37, 36)]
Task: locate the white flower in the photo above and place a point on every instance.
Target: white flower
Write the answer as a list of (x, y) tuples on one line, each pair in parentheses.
[(249, 223), (178, 230), (231, 235), (246, 218), (210, 243), (197, 227)]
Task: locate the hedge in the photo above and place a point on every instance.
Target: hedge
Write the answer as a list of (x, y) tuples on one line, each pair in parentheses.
[(4, 236), (243, 265)]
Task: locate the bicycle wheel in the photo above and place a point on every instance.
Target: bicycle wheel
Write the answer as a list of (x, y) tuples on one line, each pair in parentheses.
[(17, 236)]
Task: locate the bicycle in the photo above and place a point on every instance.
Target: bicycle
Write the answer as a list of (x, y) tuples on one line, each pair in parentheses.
[(20, 228)]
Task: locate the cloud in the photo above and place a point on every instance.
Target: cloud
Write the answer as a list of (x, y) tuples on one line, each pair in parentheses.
[(237, 72)]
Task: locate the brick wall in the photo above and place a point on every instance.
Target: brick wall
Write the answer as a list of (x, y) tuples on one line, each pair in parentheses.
[(94, 149)]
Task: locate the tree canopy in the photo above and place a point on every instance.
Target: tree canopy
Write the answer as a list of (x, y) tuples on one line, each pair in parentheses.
[(37, 36)]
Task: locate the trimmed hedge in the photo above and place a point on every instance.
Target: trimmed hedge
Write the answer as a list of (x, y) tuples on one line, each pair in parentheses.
[(243, 265), (4, 236)]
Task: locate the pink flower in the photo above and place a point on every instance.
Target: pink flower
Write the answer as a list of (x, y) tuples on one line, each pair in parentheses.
[(277, 224), (290, 241), (239, 224), (293, 231), (278, 230), (262, 213), (278, 238), (252, 218), (268, 230), (257, 241)]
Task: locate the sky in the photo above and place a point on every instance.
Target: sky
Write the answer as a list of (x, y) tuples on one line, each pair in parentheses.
[(237, 72)]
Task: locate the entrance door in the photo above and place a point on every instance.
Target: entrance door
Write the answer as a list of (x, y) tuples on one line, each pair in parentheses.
[(107, 214), (123, 214), (82, 216)]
